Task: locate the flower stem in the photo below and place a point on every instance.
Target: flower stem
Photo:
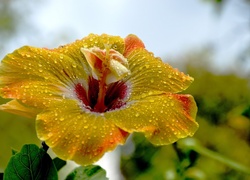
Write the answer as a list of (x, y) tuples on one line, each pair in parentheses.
[(193, 144)]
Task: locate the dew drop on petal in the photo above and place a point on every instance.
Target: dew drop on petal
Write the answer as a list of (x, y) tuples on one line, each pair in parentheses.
[(50, 134)]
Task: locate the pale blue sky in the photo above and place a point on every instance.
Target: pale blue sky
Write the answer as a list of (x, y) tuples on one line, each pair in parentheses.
[(167, 27)]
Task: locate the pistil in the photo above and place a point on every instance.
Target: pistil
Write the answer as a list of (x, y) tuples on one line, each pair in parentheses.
[(108, 67), (100, 105)]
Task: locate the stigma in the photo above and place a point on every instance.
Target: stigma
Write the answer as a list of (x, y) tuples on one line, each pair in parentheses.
[(106, 64)]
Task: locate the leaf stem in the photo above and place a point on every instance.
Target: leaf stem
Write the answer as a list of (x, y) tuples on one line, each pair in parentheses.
[(45, 146), (193, 144)]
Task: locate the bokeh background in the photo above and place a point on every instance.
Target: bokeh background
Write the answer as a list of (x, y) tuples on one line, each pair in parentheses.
[(208, 39)]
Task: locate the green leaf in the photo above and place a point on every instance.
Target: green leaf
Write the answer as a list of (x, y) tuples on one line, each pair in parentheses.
[(59, 163), (91, 172), (246, 113), (30, 163), (13, 151)]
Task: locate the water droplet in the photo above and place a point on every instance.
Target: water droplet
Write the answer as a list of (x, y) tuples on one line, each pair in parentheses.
[(85, 127), (61, 119), (137, 115), (169, 76), (152, 80), (77, 135), (151, 100), (40, 70), (172, 104), (50, 134)]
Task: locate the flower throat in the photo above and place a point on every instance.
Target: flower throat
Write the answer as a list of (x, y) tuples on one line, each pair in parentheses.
[(106, 90)]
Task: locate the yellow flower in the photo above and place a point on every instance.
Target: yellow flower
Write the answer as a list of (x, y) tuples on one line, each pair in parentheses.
[(88, 96)]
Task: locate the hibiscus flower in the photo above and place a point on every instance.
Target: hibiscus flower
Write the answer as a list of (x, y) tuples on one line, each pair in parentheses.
[(88, 96)]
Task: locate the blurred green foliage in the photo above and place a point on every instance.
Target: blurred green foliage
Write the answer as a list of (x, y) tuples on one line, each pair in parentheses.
[(15, 131), (222, 101)]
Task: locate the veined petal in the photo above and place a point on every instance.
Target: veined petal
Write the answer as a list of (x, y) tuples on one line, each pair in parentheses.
[(149, 75), (36, 75), (163, 118), (77, 135), (32, 63)]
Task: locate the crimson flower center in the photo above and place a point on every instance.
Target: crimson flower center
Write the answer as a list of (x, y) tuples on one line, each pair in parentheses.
[(100, 100)]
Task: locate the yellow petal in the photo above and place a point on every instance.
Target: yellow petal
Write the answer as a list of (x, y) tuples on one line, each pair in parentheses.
[(35, 75), (76, 135), (150, 75), (40, 64), (163, 119), (19, 108), (36, 94), (92, 40)]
